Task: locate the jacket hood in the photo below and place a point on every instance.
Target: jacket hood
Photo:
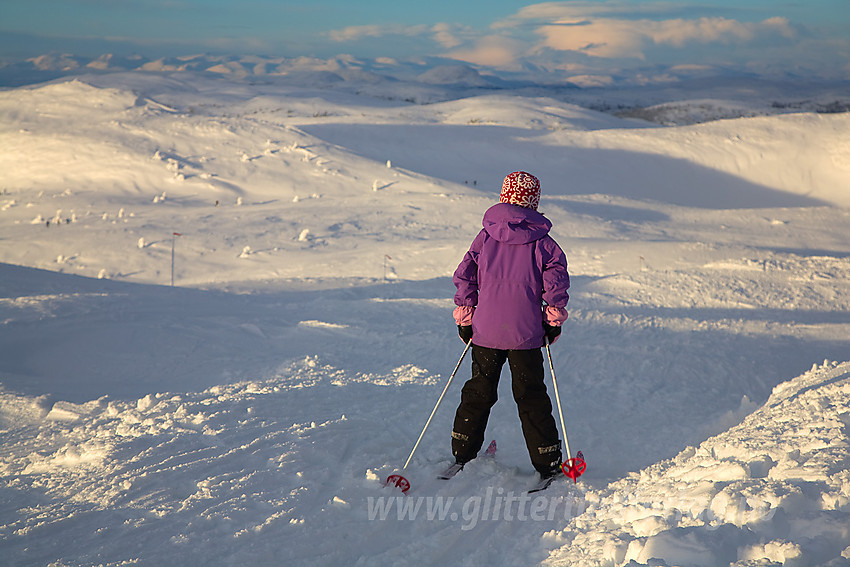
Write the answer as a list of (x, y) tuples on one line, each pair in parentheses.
[(513, 224)]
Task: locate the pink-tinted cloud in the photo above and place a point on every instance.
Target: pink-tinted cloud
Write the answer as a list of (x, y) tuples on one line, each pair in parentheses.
[(491, 51), (615, 38), (446, 35)]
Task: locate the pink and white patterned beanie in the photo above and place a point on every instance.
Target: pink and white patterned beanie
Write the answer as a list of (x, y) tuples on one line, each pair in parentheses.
[(521, 188)]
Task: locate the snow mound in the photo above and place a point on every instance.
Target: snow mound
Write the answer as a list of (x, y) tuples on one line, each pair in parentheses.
[(454, 75), (774, 489), (57, 97), (17, 410), (753, 151)]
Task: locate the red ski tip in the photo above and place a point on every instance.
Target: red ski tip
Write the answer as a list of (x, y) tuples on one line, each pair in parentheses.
[(574, 467), (399, 481)]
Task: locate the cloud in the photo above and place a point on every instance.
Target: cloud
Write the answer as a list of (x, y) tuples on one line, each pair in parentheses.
[(355, 33), (548, 12), (491, 51), (599, 38), (445, 35), (709, 30), (613, 38), (610, 38), (620, 29)]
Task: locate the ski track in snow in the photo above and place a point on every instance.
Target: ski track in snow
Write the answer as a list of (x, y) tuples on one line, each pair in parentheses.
[(250, 414)]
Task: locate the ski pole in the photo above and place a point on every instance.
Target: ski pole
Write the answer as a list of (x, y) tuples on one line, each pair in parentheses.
[(427, 423), (558, 400), (573, 468), (397, 479)]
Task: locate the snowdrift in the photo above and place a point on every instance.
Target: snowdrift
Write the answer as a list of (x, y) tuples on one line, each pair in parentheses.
[(774, 489)]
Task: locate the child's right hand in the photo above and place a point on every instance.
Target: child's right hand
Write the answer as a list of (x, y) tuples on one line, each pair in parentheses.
[(464, 332)]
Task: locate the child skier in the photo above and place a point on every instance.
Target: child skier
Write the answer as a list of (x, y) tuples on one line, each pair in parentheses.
[(511, 297)]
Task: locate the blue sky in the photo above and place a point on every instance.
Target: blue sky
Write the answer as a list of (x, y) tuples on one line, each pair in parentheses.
[(593, 38)]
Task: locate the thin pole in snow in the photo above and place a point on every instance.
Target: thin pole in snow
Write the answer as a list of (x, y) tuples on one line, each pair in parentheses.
[(174, 236), (386, 257)]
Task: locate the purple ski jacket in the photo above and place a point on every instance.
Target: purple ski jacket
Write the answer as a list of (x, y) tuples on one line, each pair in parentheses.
[(512, 267)]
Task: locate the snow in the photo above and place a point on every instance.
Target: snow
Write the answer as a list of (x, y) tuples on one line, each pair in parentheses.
[(774, 487), (250, 413)]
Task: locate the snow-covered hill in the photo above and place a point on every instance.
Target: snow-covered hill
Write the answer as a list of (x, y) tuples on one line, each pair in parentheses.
[(673, 95), (250, 413)]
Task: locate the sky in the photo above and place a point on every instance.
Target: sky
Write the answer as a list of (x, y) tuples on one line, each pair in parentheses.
[(582, 38)]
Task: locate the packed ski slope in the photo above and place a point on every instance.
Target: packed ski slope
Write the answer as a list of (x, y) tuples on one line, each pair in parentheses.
[(250, 413)]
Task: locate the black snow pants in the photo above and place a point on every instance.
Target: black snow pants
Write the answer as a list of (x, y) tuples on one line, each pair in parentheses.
[(533, 404)]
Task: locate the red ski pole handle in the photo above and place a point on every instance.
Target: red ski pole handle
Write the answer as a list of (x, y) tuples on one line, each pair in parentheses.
[(574, 467), (399, 481)]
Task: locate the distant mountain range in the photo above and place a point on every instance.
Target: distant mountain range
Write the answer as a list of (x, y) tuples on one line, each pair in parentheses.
[(685, 96)]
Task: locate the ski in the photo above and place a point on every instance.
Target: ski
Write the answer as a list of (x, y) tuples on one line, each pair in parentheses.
[(450, 471), (542, 484)]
